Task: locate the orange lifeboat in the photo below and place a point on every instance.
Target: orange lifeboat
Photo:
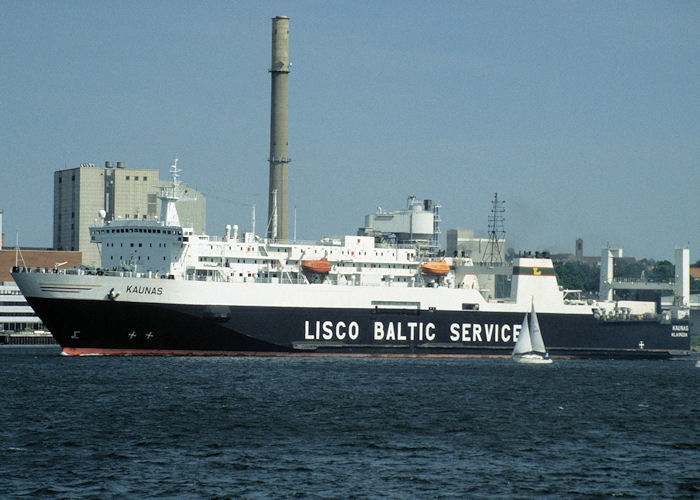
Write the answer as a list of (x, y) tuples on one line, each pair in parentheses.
[(435, 268), (316, 266)]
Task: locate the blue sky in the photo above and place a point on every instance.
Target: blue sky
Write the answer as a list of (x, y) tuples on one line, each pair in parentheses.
[(583, 116)]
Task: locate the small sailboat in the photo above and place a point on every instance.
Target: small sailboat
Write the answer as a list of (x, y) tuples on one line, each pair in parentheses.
[(529, 347)]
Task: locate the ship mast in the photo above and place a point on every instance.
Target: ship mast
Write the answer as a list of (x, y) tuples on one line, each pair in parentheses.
[(169, 196)]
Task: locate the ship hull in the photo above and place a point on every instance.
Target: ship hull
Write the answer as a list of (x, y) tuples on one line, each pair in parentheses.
[(122, 328)]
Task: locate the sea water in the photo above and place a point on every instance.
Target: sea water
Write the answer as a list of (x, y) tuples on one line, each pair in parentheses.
[(212, 427)]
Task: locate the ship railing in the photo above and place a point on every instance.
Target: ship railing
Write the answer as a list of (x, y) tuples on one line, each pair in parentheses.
[(642, 280), (283, 280), (624, 314), (399, 246), (331, 241), (88, 271)]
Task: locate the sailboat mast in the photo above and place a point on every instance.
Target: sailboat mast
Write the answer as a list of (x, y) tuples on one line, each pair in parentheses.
[(536, 333)]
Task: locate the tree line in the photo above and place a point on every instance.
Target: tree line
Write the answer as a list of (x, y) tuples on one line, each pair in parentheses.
[(574, 275)]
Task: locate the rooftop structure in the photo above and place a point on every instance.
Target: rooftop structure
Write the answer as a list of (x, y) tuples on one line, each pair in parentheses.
[(418, 224)]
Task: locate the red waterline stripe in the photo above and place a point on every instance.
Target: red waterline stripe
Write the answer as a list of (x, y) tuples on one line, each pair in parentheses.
[(90, 351)]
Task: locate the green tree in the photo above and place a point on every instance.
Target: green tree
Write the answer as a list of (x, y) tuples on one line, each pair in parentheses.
[(578, 276), (662, 271), (627, 269)]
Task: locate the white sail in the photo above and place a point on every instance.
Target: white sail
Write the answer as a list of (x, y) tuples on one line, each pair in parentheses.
[(523, 344), (536, 334)]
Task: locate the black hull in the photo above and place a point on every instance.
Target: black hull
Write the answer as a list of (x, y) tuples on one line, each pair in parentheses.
[(117, 327)]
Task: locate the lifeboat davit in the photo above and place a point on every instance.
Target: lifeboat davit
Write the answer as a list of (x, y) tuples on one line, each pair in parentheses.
[(435, 268), (321, 266)]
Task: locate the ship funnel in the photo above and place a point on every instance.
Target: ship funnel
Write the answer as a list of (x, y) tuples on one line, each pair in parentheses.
[(278, 205)]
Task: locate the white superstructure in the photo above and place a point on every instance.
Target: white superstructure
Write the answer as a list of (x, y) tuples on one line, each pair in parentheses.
[(166, 249)]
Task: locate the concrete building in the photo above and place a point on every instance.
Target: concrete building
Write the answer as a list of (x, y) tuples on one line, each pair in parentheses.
[(462, 243), (82, 194)]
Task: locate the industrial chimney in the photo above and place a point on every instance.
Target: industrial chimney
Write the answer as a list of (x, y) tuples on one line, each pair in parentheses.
[(278, 205)]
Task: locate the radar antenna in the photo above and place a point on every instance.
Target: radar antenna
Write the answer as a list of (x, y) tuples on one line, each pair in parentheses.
[(492, 253)]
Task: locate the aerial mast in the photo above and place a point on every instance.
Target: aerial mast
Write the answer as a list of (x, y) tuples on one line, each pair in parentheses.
[(493, 251)]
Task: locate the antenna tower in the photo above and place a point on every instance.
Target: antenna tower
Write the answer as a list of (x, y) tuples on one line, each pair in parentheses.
[(492, 252)]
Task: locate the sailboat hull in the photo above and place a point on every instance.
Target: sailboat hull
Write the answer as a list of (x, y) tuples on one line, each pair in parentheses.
[(533, 359)]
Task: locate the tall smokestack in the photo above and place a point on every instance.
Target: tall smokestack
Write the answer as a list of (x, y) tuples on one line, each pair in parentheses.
[(279, 136)]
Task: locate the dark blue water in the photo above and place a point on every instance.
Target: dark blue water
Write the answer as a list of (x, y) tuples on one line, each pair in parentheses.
[(96, 427)]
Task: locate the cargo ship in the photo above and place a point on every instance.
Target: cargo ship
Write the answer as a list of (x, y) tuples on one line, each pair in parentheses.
[(162, 289)]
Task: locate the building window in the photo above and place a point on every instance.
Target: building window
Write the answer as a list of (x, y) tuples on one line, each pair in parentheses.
[(145, 178), (136, 177), (127, 177)]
